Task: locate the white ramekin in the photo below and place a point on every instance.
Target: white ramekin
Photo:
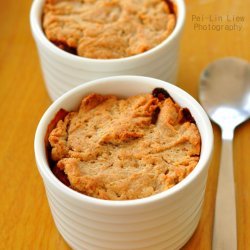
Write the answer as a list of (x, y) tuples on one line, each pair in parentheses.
[(63, 71), (163, 221)]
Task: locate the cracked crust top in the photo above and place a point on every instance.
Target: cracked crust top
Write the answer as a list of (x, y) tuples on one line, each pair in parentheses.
[(119, 149), (106, 29)]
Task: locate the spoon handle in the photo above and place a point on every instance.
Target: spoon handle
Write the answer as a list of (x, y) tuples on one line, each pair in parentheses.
[(225, 225)]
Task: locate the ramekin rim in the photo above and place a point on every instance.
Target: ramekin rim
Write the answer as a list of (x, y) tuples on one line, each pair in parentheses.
[(39, 34), (46, 173)]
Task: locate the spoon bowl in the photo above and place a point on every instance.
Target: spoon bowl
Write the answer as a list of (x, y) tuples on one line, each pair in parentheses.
[(225, 91)]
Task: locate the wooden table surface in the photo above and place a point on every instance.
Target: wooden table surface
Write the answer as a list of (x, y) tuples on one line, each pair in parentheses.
[(25, 219)]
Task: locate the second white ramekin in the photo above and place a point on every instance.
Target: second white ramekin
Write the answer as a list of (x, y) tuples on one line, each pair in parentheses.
[(63, 71)]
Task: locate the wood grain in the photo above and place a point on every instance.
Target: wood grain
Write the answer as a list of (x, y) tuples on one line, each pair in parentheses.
[(25, 219)]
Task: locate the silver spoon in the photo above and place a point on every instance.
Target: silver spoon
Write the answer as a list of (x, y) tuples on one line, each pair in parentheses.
[(225, 95)]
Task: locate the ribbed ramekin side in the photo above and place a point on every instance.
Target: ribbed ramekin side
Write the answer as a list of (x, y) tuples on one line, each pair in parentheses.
[(174, 218), (174, 224), (175, 237), (176, 243), (60, 77)]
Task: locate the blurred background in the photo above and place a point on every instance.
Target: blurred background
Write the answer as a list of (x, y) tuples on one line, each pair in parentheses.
[(213, 29)]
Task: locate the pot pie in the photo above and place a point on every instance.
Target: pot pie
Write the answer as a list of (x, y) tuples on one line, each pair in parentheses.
[(123, 148), (108, 29)]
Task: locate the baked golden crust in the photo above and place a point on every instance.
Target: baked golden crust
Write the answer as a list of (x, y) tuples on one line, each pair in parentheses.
[(111, 149), (107, 29)]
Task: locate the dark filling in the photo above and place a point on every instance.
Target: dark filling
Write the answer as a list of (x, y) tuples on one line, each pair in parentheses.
[(155, 115), (162, 94), (65, 47), (187, 117), (171, 6), (61, 175), (60, 115)]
